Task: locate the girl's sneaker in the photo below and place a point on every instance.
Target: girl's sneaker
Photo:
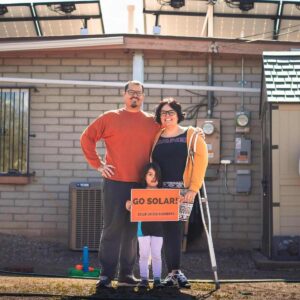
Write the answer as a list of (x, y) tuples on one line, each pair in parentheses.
[(143, 284), (157, 284)]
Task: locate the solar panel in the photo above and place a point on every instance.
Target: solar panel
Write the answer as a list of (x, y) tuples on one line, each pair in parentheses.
[(178, 25), (163, 5), (69, 26), (290, 29), (22, 29), (259, 8), (266, 20), (51, 19)]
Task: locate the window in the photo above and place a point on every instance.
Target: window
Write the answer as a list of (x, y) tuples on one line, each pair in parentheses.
[(14, 131)]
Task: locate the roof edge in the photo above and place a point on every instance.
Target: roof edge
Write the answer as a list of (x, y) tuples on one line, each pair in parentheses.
[(61, 43), (282, 53)]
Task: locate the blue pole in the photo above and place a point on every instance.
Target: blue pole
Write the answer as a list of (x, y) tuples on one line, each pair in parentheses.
[(85, 259)]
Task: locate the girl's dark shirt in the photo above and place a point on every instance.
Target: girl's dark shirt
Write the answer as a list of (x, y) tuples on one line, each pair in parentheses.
[(150, 228)]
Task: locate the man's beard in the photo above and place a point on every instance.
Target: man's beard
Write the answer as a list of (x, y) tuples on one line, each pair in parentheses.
[(133, 104)]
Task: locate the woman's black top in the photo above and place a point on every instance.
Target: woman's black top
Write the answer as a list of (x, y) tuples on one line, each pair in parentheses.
[(171, 153)]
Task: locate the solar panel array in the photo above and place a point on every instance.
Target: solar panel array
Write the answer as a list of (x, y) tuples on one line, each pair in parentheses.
[(267, 20), (232, 19), (50, 19)]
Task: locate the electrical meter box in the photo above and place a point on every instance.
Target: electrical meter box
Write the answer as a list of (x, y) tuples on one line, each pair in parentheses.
[(242, 121), (211, 128), (242, 150), (243, 181)]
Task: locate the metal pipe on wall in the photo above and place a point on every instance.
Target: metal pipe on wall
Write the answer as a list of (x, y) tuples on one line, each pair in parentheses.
[(210, 94), (122, 83), (210, 33)]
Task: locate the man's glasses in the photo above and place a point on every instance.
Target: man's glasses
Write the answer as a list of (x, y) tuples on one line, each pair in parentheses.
[(167, 112), (132, 93)]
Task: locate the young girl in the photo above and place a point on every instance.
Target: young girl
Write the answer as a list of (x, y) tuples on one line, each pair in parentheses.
[(150, 233)]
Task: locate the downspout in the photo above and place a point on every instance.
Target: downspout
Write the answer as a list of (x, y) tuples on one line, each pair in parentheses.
[(210, 33), (210, 94), (138, 66), (138, 57), (242, 85)]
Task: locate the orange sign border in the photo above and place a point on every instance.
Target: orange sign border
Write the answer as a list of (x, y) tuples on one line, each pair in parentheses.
[(156, 209)]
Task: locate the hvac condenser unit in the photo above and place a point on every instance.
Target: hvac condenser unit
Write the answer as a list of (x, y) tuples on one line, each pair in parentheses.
[(86, 215)]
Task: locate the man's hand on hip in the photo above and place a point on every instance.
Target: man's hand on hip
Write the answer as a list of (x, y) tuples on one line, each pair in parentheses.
[(106, 170)]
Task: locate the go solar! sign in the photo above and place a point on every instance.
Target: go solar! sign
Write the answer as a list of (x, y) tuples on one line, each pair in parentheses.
[(153, 205)]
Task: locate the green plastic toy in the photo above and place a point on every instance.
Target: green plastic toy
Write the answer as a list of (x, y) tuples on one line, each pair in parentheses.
[(84, 270), (74, 272)]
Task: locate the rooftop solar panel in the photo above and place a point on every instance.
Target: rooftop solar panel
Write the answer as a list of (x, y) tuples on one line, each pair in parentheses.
[(179, 26), (290, 31), (264, 21), (22, 29), (51, 19)]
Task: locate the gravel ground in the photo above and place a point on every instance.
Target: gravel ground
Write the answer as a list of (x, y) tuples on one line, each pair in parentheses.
[(18, 253), (66, 289)]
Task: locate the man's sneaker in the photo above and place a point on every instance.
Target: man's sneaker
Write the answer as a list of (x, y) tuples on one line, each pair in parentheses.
[(103, 283), (127, 280), (143, 284), (170, 281), (181, 279), (157, 284)]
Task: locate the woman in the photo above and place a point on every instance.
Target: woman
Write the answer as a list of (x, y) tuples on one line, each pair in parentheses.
[(170, 151)]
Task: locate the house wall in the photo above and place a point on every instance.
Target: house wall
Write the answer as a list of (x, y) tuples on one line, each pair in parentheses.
[(59, 115), (285, 170)]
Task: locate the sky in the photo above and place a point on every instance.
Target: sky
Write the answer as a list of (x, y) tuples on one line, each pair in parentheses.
[(115, 15)]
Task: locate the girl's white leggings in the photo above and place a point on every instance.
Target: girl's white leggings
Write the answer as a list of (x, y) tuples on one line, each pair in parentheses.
[(150, 245)]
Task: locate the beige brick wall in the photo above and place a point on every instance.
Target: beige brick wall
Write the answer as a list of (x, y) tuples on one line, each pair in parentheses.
[(236, 219), (59, 115)]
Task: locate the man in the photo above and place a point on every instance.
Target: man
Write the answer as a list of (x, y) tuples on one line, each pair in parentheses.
[(128, 134)]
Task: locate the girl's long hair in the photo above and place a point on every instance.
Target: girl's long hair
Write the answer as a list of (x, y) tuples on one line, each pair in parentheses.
[(157, 171)]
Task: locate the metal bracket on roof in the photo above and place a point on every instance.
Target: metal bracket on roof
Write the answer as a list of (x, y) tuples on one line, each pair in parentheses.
[(214, 48)]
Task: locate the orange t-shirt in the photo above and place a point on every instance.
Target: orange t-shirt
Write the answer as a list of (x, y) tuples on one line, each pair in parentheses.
[(128, 137)]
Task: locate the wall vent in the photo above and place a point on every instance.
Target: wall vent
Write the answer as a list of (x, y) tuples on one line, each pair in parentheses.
[(86, 215)]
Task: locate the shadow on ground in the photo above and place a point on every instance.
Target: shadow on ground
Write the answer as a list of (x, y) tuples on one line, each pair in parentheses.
[(132, 294)]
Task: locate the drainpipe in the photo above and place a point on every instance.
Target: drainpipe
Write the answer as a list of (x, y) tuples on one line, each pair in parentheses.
[(242, 83), (138, 57), (138, 66), (210, 33), (210, 94)]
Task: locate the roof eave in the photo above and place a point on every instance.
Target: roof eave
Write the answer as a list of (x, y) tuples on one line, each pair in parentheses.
[(147, 42)]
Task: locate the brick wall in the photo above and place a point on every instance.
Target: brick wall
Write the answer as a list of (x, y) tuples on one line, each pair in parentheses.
[(59, 115)]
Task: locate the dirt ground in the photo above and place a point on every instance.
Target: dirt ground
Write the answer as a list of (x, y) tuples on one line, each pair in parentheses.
[(238, 273), (50, 288), (18, 253)]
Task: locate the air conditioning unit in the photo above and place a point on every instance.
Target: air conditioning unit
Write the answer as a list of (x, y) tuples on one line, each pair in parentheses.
[(86, 215)]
